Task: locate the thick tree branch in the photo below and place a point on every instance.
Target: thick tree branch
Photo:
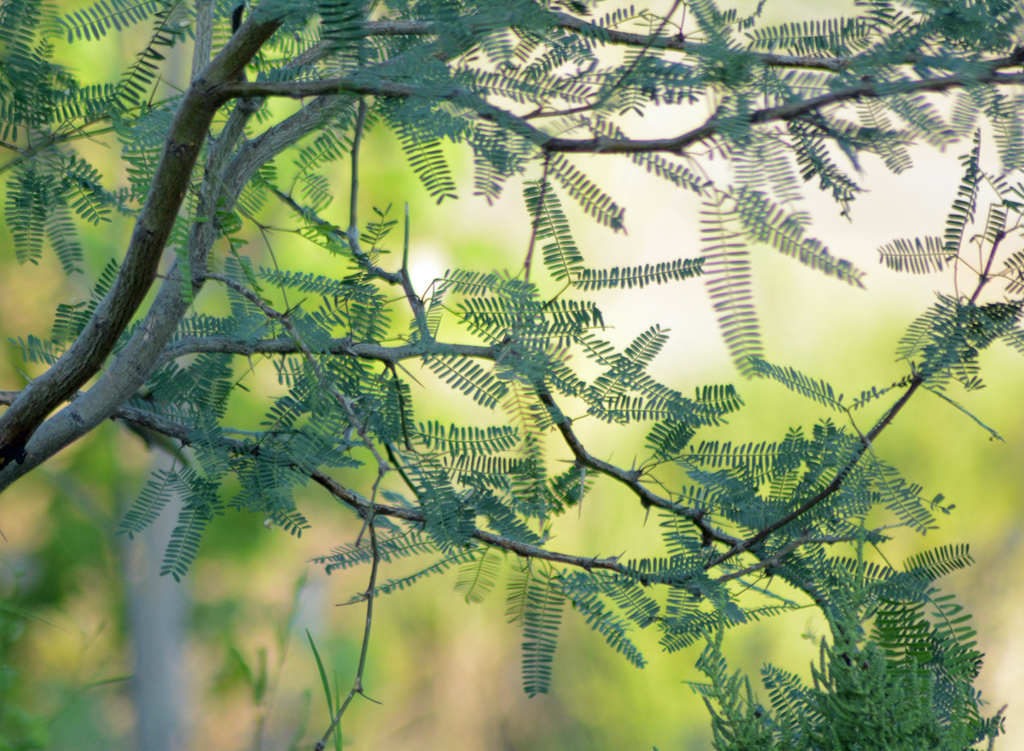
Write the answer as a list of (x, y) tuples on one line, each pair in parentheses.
[(225, 179), (152, 229)]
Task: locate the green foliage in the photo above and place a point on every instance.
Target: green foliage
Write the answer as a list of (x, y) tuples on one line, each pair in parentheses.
[(524, 90), (19, 729), (534, 601), (906, 686)]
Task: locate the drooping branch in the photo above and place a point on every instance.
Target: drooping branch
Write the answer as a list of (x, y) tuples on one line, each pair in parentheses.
[(362, 506), (631, 479), (143, 420)]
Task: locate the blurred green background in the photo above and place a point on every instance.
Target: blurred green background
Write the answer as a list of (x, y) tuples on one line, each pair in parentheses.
[(93, 638)]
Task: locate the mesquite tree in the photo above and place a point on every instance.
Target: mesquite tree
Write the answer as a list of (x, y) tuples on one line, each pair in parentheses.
[(528, 86)]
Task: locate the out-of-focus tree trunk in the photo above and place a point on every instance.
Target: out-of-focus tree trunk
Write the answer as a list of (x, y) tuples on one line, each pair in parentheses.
[(157, 609)]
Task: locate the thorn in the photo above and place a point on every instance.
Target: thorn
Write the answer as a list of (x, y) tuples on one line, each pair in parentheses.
[(236, 17)]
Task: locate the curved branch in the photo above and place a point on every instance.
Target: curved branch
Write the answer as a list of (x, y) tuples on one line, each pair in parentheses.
[(152, 229), (361, 505), (790, 111), (632, 479), (143, 421)]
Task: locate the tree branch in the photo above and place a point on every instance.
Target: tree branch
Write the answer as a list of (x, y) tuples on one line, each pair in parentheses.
[(152, 229), (678, 43), (674, 42), (789, 111), (601, 144), (832, 487), (632, 479), (345, 347)]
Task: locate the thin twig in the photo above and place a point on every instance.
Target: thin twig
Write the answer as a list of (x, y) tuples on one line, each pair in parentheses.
[(353, 201), (536, 219), (775, 559), (833, 486), (415, 302), (631, 479), (357, 684)]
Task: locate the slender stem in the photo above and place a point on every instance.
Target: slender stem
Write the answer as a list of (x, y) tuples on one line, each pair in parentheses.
[(400, 278), (402, 408), (985, 276), (415, 303), (357, 684), (866, 444), (353, 201), (537, 217), (775, 559)]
